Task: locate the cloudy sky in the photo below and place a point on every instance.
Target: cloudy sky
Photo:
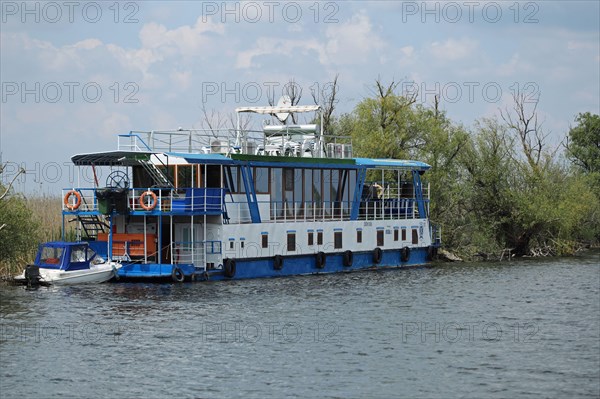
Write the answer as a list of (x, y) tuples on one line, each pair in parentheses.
[(75, 74)]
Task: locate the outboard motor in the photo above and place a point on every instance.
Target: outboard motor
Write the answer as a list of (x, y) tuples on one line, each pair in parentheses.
[(32, 275)]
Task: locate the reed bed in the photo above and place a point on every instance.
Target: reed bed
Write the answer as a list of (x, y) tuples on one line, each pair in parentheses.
[(46, 219)]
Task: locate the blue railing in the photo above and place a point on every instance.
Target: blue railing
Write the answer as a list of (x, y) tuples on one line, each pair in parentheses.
[(105, 201)]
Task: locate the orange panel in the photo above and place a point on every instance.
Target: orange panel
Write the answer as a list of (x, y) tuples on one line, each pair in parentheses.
[(136, 243)]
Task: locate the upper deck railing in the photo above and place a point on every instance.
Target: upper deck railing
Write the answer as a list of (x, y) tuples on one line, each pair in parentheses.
[(284, 141)]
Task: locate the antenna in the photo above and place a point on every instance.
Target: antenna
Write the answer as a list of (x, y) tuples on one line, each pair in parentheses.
[(284, 101)]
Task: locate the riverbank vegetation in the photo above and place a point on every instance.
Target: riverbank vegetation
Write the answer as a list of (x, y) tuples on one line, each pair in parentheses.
[(496, 187), (25, 222)]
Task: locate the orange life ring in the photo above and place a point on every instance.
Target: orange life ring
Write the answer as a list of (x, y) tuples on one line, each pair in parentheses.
[(77, 203), (152, 204)]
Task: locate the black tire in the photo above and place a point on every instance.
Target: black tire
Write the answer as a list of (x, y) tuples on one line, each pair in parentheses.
[(431, 252), (177, 275), (405, 254), (348, 258), (377, 255), (278, 262), (229, 268), (320, 260)]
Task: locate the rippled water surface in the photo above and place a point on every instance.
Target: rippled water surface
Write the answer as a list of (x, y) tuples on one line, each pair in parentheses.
[(525, 329)]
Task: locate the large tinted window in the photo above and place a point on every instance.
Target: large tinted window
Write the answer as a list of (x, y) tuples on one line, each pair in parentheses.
[(261, 180)]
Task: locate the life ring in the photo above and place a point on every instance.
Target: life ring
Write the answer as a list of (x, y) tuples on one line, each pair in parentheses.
[(405, 254), (152, 204), (348, 258), (377, 255), (229, 268), (278, 262), (177, 275), (77, 203), (320, 260)]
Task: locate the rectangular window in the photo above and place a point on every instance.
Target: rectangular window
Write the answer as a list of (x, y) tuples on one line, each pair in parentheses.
[(261, 180), (380, 241), (337, 239), (231, 244), (319, 238), (396, 234), (291, 242), (265, 241), (403, 234), (415, 236), (288, 178), (358, 236), (311, 238)]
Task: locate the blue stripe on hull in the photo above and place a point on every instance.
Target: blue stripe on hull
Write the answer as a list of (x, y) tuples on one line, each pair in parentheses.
[(152, 270), (306, 264), (292, 265)]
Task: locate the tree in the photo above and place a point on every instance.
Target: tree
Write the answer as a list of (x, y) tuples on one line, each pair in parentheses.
[(583, 143), (327, 99)]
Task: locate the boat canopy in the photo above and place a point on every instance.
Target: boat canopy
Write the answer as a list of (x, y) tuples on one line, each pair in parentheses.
[(218, 159), (111, 158), (392, 163), (279, 109)]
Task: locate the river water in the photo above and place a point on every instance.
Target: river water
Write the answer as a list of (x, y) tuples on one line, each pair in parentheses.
[(526, 329)]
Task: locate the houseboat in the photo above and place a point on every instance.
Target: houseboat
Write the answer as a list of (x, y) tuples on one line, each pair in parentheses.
[(286, 199)]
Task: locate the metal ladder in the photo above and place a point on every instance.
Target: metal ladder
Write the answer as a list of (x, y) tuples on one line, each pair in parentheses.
[(158, 177), (92, 225)]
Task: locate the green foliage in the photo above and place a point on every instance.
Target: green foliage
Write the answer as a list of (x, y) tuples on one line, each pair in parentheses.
[(496, 187), (19, 237), (584, 143)]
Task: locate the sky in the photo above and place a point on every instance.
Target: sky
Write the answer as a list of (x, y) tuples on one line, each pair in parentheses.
[(75, 74)]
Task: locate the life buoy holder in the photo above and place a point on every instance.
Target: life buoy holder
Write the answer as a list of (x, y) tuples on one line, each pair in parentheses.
[(377, 255), (348, 258), (177, 275), (278, 262), (405, 254), (320, 260), (152, 204), (67, 198), (229, 268)]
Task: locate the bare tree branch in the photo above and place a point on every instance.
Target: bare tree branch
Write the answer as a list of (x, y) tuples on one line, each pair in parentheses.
[(21, 170), (529, 131), (327, 99), (294, 92)]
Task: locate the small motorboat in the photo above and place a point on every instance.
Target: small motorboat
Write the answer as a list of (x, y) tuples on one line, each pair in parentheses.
[(62, 262)]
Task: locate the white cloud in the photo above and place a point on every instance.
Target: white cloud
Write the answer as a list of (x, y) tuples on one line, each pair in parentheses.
[(453, 50), (350, 42)]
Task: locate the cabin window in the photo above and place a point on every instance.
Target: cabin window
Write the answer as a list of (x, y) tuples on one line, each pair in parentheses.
[(311, 238), (380, 238), (403, 234), (261, 180), (184, 176), (242, 243), (319, 238), (276, 193), (337, 239), (317, 198), (358, 236), (327, 192), (396, 234), (298, 192), (351, 187), (415, 236), (288, 176), (230, 244), (265, 240), (308, 174), (291, 242)]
